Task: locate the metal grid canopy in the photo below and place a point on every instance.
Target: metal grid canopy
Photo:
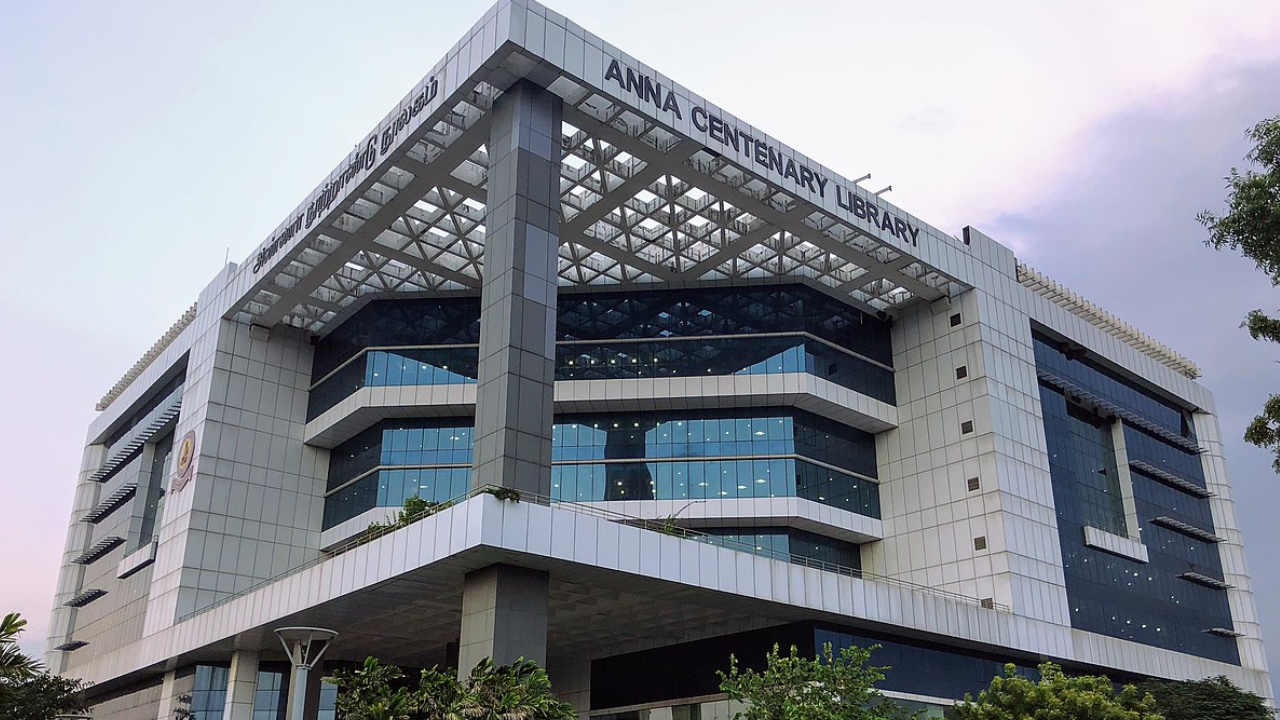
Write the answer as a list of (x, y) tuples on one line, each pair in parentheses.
[(641, 204)]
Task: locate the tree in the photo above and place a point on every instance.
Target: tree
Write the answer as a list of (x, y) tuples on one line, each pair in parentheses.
[(368, 693), (415, 509), (1251, 226), (827, 687), (440, 695), (1212, 699), (27, 692), (42, 697), (13, 664), (1056, 697), (519, 691)]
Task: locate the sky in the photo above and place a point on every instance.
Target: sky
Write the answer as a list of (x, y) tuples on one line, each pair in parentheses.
[(151, 141)]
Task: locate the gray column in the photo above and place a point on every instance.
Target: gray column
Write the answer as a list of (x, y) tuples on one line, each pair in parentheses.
[(175, 693), (314, 679), (571, 680), (504, 608), (242, 685), (504, 616), (62, 622), (515, 388)]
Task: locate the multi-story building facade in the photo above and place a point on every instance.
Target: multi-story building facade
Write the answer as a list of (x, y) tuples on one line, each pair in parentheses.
[(741, 401)]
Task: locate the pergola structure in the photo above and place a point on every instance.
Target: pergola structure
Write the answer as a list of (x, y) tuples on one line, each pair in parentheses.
[(643, 200), (590, 171)]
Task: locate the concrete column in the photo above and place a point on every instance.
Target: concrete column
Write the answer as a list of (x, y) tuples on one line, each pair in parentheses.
[(175, 693), (1132, 524), (504, 608), (242, 685), (70, 577), (571, 680), (299, 676), (304, 689), (311, 708), (515, 390), (504, 617)]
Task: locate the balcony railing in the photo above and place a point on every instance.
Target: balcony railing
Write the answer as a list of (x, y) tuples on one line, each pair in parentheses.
[(666, 527)]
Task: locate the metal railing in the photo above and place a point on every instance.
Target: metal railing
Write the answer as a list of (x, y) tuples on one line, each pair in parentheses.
[(667, 527)]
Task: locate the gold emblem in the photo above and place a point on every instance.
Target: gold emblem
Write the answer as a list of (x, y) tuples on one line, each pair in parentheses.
[(186, 460)]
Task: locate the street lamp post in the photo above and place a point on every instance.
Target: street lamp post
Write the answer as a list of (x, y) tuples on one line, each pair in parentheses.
[(304, 646)]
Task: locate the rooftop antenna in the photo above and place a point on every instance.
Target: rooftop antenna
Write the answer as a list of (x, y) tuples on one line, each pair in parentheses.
[(883, 191)]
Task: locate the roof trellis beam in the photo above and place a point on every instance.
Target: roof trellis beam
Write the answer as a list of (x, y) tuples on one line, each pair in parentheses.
[(732, 249), (460, 150), (600, 209), (795, 224), (763, 210), (883, 272), (415, 262), (448, 181)]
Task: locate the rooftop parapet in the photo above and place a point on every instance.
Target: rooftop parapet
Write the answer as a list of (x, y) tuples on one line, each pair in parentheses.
[(1070, 301), (147, 358)]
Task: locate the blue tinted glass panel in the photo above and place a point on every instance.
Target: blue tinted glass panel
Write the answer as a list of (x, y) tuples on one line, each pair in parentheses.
[(390, 488), (690, 357), (1143, 602), (1110, 385), (714, 480), (690, 455), (389, 342), (1156, 452), (389, 323), (394, 368), (782, 543), (722, 311), (209, 693)]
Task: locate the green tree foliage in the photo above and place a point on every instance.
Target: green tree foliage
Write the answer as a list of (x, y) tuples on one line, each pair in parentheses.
[(828, 687), (13, 664), (27, 692), (519, 691), (1212, 699), (1056, 697), (1251, 226), (371, 692), (440, 696), (415, 509), (42, 697)]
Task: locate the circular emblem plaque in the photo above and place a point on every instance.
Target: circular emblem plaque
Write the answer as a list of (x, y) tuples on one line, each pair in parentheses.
[(186, 460)]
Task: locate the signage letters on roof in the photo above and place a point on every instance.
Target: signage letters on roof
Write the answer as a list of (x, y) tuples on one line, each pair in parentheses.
[(361, 161), (759, 151)]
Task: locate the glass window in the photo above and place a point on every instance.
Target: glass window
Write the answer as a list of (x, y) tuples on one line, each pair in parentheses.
[(209, 693), (651, 455), (1144, 602)]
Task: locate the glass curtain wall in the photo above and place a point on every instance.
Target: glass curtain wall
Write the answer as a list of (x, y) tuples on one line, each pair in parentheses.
[(616, 336), (1153, 603), (702, 455)]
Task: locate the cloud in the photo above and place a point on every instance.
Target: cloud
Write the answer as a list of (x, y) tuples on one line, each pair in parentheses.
[(930, 121), (1118, 225)]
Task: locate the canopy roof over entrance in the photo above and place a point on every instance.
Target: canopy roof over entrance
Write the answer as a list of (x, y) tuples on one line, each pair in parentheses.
[(656, 186)]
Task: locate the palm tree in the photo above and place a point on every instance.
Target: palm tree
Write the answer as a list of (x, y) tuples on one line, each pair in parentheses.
[(519, 691), (13, 664), (440, 696), (366, 693)]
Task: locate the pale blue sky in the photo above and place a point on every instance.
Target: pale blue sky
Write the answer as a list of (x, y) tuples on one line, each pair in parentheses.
[(147, 140)]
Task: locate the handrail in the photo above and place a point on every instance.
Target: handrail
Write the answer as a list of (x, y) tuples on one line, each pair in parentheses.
[(666, 527)]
